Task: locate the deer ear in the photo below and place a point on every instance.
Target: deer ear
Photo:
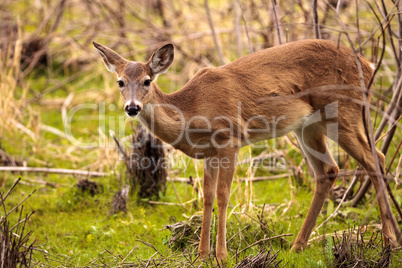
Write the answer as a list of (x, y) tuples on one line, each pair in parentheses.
[(162, 59), (112, 60)]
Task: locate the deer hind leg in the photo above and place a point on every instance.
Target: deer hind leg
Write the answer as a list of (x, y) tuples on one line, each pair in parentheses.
[(354, 142), (312, 141), (210, 179)]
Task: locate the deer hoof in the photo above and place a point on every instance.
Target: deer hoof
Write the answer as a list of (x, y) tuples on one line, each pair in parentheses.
[(204, 255), (221, 256), (297, 247)]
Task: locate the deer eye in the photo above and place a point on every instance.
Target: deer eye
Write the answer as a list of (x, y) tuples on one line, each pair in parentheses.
[(147, 82), (121, 83)]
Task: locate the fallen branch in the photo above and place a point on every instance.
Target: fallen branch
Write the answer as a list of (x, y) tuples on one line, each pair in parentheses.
[(171, 204), (56, 171)]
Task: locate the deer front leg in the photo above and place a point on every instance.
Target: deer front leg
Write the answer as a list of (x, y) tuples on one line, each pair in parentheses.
[(226, 170), (210, 178)]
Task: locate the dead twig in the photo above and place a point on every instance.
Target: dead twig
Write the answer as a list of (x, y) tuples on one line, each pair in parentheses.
[(245, 27), (260, 241), (149, 245), (15, 207)]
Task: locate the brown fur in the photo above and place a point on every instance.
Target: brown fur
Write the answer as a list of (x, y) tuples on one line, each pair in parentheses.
[(283, 85)]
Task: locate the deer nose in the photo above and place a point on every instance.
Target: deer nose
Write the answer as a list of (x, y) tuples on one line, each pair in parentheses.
[(132, 109)]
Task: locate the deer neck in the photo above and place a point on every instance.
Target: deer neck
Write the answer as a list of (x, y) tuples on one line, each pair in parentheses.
[(162, 116)]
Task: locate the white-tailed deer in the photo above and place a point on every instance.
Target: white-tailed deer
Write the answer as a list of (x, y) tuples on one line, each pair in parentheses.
[(304, 87)]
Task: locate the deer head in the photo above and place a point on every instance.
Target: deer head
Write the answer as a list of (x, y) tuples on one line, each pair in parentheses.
[(135, 79)]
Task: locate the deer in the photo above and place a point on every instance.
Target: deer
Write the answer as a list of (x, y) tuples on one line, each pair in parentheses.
[(302, 87)]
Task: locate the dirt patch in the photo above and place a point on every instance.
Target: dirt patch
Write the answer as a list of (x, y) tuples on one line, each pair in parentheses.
[(88, 186)]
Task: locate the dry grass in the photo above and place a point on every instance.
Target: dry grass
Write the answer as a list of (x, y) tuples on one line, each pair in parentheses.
[(354, 249), (16, 246)]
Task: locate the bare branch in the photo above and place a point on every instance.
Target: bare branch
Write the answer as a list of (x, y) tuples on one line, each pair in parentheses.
[(316, 22), (277, 23), (215, 37)]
